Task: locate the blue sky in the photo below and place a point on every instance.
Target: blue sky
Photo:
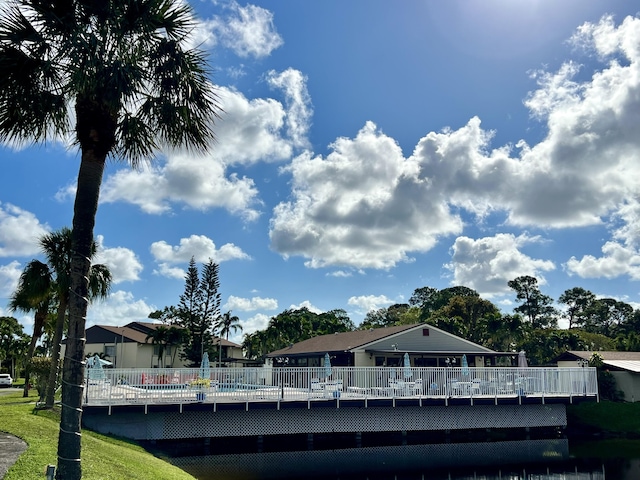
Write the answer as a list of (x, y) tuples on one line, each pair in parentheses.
[(368, 149)]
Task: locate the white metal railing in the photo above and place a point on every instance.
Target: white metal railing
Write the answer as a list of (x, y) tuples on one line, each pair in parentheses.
[(171, 385)]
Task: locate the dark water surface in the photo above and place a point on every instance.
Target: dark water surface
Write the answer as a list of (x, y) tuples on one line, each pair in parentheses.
[(539, 459)]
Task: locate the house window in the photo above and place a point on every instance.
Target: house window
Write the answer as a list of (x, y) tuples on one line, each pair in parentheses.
[(109, 351), (425, 332)]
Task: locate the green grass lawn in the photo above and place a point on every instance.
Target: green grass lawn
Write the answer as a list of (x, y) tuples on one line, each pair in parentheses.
[(103, 458), (610, 417)]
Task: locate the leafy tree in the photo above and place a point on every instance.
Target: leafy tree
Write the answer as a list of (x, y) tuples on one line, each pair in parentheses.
[(292, 326), (536, 307), (578, 302), (467, 316), (257, 344), (134, 85), (607, 316), (12, 341), (384, 317), (504, 332)]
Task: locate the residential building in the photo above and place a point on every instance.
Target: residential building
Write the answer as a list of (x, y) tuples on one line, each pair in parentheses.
[(130, 346), (427, 346)]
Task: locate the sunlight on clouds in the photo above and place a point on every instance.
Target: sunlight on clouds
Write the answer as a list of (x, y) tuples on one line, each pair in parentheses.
[(200, 247), (250, 304), (616, 260), (20, 232), (366, 303), (123, 263), (9, 275), (248, 31), (120, 308), (360, 206), (251, 130), (251, 325), (198, 182), (306, 304), (298, 101), (487, 264)]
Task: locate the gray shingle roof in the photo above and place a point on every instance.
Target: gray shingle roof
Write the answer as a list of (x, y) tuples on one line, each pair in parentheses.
[(340, 342)]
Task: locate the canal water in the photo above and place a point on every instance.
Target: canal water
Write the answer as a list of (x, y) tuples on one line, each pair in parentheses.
[(534, 459)]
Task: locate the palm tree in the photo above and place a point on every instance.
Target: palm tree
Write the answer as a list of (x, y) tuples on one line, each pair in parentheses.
[(227, 324), (33, 294), (57, 248), (176, 336), (134, 85), (159, 336)]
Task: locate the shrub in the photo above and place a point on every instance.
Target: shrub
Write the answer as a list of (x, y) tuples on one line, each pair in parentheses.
[(40, 367)]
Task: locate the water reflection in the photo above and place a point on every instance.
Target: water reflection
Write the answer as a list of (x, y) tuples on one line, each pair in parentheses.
[(509, 460)]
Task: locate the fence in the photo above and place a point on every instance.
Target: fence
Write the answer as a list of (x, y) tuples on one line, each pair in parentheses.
[(150, 386)]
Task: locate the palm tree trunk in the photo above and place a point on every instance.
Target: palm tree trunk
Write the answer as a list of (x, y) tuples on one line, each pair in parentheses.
[(55, 353), (85, 209), (38, 324), (27, 365)]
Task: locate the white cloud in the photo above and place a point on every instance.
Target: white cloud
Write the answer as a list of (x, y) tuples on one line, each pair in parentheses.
[(363, 205), (306, 304), (251, 130), (9, 275), (340, 274), (487, 264), (250, 304), (298, 101), (20, 232), (620, 256), (617, 260), (123, 263), (199, 182), (200, 247), (366, 206), (119, 309), (366, 303), (248, 31), (253, 324)]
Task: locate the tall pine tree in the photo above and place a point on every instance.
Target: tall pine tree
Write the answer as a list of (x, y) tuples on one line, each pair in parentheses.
[(198, 311)]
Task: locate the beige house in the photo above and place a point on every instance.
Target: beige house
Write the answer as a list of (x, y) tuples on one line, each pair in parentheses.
[(130, 347), (624, 366), (426, 345)]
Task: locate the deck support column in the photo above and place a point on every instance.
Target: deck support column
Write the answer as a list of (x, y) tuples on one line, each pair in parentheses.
[(309, 441)]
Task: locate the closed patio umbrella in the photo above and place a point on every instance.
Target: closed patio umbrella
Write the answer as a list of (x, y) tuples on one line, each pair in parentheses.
[(407, 367), (327, 365), (465, 365), (522, 360), (205, 370), (95, 368)]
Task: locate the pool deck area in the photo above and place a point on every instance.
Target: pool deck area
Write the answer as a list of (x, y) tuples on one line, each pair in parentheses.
[(258, 388)]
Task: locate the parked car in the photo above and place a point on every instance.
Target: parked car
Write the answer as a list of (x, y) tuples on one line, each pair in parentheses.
[(5, 380)]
